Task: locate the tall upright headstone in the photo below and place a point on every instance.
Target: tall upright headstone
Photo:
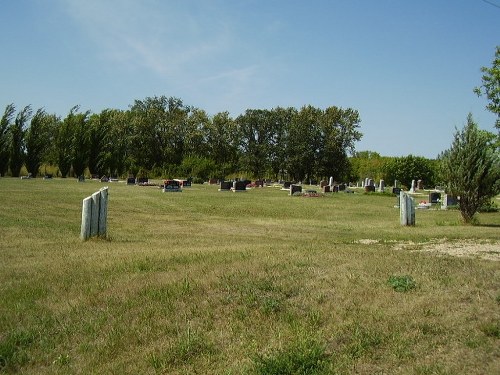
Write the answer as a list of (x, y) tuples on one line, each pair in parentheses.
[(94, 215), (381, 186), (406, 209), (412, 189)]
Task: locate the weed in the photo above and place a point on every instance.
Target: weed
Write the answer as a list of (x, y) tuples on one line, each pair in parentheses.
[(13, 349), (184, 350), (61, 360), (491, 329), (402, 283), (300, 357)]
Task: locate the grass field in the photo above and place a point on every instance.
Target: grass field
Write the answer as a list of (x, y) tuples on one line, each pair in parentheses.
[(208, 282)]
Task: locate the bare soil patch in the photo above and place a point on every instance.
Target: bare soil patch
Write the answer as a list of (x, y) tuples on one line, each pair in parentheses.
[(464, 248)]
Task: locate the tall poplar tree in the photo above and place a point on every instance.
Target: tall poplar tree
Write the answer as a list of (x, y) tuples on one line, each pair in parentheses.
[(17, 146), (5, 124)]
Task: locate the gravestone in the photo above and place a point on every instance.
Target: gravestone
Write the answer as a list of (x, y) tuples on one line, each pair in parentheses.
[(323, 183), (342, 187), (142, 180), (330, 182), (213, 181), (225, 186), (183, 183), (104, 179), (171, 186), (94, 215), (326, 189), (448, 200), (396, 191), (395, 183), (369, 189), (295, 189), (239, 186), (406, 210), (381, 186), (130, 181), (412, 189), (81, 178), (371, 182), (286, 185), (434, 197), (420, 185)]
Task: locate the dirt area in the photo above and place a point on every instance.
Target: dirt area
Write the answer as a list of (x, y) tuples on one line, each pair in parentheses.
[(464, 248), (487, 250)]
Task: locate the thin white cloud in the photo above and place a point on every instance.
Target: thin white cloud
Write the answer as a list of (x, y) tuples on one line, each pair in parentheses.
[(148, 34)]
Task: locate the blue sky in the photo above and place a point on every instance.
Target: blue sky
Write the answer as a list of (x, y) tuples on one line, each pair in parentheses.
[(408, 67)]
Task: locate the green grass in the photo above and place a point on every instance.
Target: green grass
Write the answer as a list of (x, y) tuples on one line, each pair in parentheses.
[(251, 283)]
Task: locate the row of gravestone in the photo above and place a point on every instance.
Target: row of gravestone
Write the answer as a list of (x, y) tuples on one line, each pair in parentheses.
[(235, 186)]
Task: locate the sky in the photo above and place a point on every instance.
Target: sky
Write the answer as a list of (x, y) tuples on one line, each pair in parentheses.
[(408, 67)]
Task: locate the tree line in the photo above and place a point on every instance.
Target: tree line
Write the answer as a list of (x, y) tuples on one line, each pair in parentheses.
[(163, 137)]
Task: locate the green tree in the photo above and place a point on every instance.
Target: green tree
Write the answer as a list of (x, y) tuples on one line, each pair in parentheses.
[(38, 140), (471, 168), (491, 86), (159, 129), (64, 144), (222, 142), (408, 168), (99, 132), (74, 144), (256, 136), (5, 124), (17, 141), (338, 129), (367, 164), (278, 156), (304, 143)]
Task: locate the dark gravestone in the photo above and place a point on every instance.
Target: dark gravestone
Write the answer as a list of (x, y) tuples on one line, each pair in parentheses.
[(171, 186), (342, 187), (434, 197), (239, 186), (451, 200), (396, 191), (295, 189), (183, 183), (326, 189), (225, 186), (131, 181), (81, 178), (370, 189), (335, 188), (286, 185), (142, 180)]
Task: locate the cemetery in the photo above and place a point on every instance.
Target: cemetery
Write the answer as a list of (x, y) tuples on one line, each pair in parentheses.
[(204, 279)]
